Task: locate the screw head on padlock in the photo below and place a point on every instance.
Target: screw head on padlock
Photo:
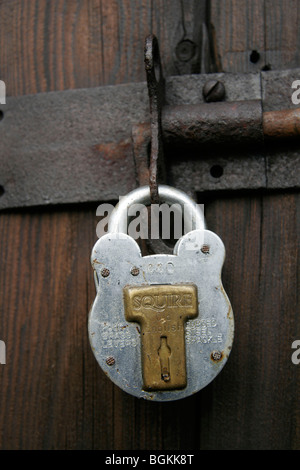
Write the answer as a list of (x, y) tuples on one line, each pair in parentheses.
[(161, 326)]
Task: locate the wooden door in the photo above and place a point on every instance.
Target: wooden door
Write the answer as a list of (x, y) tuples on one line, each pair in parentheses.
[(53, 393)]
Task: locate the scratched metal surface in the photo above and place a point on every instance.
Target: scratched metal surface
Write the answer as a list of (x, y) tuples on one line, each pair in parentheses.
[(75, 145), (111, 336)]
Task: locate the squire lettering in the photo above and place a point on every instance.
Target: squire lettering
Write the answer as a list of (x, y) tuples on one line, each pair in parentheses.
[(161, 302)]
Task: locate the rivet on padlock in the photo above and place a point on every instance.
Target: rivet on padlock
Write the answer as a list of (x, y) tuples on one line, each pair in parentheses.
[(161, 326)]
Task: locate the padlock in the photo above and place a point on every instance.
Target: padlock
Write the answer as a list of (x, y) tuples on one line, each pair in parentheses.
[(161, 326)]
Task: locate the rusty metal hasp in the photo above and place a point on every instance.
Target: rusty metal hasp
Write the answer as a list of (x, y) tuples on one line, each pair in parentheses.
[(93, 144)]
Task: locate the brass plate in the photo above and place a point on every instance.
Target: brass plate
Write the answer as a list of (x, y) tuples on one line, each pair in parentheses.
[(161, 311)]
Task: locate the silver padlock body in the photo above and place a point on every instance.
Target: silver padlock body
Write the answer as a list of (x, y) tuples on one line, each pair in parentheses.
[(116, 343)]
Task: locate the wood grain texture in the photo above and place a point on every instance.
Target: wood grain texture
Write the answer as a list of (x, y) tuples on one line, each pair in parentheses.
[(53, 393), (268, 27), (254, 403), (64, 44)]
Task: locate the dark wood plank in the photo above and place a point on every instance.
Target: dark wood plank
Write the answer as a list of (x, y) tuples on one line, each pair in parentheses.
[(253, 403), (60, 45), (268, 27), (52, 393), (282, 34), (228, 411), (175, 21), (239, 30)]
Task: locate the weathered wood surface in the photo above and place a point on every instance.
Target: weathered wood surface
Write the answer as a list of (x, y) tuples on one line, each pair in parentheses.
[(58, 45), (53, 394), (255, 35)]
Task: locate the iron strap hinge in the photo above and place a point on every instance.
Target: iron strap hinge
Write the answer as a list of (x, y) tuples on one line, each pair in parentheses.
[(92, 144), (219, 122)]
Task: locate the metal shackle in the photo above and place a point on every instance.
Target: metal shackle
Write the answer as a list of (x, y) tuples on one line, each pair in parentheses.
[(194, 217)]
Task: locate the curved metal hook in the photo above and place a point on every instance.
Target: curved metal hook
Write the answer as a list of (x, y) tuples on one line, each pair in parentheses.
[(156, 91)]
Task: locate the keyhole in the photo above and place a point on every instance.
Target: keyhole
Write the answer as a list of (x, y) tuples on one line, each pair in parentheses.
[(164, 353)]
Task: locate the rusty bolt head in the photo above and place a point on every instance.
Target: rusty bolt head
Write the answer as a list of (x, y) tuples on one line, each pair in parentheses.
[(110, 361), (105, 272), (205, 249), (135, 271), (213, 90), (216, 356), (185, 50)]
